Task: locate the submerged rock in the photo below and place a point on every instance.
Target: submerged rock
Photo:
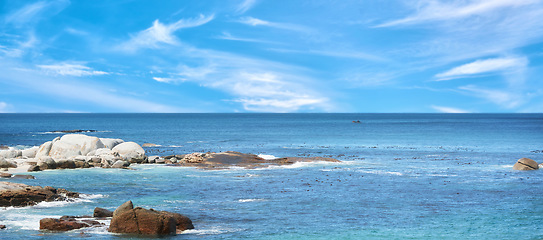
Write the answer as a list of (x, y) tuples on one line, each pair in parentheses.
[(102, 213), (526, 164)]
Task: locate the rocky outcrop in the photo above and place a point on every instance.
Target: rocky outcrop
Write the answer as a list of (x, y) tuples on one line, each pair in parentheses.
[(20, 195), (10, 153), (237, 159), (61, 225), (110, 143), (5, 175), (127, 219), (130, 151), (526, 164), (30, 153), (102, 213), (6, 164), (72, 145)]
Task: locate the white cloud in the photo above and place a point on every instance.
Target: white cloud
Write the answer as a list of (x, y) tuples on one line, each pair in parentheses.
[(33, 11), (159, 34), (485, 66), (4, 107), (506, 99), (228, 36), (286, 26), (449, 109), (67, 69), (169, 80), (432, 10), (245, 6), (336, 53)]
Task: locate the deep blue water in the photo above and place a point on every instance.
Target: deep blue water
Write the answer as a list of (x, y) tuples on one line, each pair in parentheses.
[(403, 176)]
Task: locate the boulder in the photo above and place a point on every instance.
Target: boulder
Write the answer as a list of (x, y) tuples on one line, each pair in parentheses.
[(66, 164), (53, 224), (104, 152), (2, 226), (102, 213), (124, 207), (47, 163), (143, 221), (71, 145), (11, 153), (182, 222), (31, 152), (130, 151), (120, 164), (44, 149), (34, 168), (526, 164), (20, 195), (7, 164), (110, 143), (5, 175)]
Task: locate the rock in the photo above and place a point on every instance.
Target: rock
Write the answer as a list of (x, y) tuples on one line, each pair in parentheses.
[(44, 149), (149, 145), (20, 195), (5, 175), (104, 152), (53, 224), (23, 177), (66, 164), (34, 168), (160, 161), (2, 226), (102, 213), (47, 163), (526, 164), (143, 221), (120, 164), (31, 152), (71, 145), (11, 153), (6, 164), (130, 151), (152, 159), (95, 159), (182, 222), (74, 131), (105, 163), (111, 142), (124, 207)]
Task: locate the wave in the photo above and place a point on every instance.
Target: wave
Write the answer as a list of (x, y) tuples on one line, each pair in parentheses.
[(267, 157), (211, 231), (381, 172), (251, 200), (175, 146)]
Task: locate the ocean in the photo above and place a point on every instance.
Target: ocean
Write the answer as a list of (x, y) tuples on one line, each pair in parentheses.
[(402, 176)]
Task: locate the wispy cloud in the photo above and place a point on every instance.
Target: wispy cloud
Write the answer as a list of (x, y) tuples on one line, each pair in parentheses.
[(449, 109), (285, 26), (4, 107), (159, 34), (506, 99), (228, 36), (431, 10), (168, 80), (245, 6), (67, 69), (353, 54), (33, 11), (484, 66)]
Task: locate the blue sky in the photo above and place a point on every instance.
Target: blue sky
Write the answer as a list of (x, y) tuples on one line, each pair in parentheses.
[(378, 56)]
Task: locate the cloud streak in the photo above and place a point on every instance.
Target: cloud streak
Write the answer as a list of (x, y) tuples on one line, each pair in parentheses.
[(484, 66), (251, 21), (67, 69), (437, 11), (245, 6), (449, 109), (161, 34)]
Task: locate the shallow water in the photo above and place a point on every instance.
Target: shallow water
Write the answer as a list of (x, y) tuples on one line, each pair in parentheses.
[(417, 176)]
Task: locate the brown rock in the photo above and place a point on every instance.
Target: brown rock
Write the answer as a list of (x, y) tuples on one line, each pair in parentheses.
[(124, 207), (149, 145), (24, 177), (182, 222), (526, 164), (101, 212), (142, 221), (20, 195), (34, 168), (2, 226), (53, 224), (5, 175)]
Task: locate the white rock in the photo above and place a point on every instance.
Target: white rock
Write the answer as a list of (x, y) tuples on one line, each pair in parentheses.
[(103, 152), (10, 153), (120, 164), (71, 145), (130, 151), (31, 152), (111, 142), (44, 149)]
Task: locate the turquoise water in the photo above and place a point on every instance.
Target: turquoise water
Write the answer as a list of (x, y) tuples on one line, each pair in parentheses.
[(403, 176)]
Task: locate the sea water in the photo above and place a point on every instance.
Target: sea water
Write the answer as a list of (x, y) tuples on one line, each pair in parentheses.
[(402, 176)]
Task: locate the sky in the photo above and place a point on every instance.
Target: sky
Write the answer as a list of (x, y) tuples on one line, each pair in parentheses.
[(378, 56)]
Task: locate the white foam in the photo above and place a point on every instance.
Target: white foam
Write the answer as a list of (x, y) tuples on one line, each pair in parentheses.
[(251, 200), (382, 172), (211, 231), (267, 157), (175, 146)]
